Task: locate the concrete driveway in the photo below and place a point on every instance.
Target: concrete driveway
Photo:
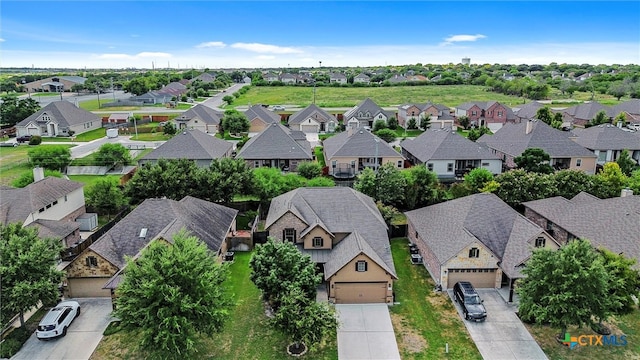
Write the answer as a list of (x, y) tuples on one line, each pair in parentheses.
[(365, 332), (82, 337), (502, 336)]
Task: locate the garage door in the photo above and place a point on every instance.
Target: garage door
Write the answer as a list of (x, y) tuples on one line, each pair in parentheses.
[(480, 278), (309, 128), (359, 293), (88, 287)]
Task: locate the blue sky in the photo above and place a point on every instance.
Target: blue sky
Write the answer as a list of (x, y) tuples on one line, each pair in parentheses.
[(222, 34)]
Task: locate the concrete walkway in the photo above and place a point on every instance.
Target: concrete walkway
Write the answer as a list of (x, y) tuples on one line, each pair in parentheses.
[(365, 332)]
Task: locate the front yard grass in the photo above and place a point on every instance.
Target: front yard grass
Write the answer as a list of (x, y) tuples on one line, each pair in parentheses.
[(425, 321), (14, 161), (247, 334)]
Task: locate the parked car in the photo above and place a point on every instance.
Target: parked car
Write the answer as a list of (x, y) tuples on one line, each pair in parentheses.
[(57, 320), (278, 108), (465, 294), (635, 126), (23, 138)]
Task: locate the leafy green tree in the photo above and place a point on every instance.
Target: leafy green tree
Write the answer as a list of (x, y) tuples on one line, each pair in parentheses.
[(556, 123), (387, 135), (173, 178), (600, 118), (235, 122), (227, 177), (105, 196), (14, 110), (476, 133), (620, 119), (609, 182), (388, 212), (570, 183), (113, 155), (28, 272), (618, 90), (534, 160), (545, 115), (379, 125), (54, 157), (422, 187), (412, 124), (366, 182), (310, 169), (634, 181), (464, 121), (392, 123), (320, 181), (425, 122), (390, 185), (270, 182), (173, 295), (169, 129), (228, 99), (27, 178), (518, 186), (625, 281), (460, 189), (574, 275), (477, 178), (626, 163)]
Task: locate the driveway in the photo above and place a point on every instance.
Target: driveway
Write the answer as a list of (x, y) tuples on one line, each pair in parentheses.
[(365, 332), (502, 336), (83, 335)]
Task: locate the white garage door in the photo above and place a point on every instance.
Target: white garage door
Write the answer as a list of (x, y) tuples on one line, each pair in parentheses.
[(359, 293), (309, 128), (480, 278), (88, 287)]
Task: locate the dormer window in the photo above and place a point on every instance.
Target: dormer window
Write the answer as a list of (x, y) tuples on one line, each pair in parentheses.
[(540, 242)]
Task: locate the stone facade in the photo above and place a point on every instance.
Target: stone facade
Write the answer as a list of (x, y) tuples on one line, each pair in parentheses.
[(80, 268), (559, 234)]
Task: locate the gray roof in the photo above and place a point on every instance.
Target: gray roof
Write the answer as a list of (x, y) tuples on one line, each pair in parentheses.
[(337, 76), (611, 223), (259, 111), (366, 105), (445, 144), (163, 218), (449, 227), (277, 142), (606, 137), (340, 210), (311, 111), (206, 114), (360, 143), (630, 106), (17, 204), (513, 140), (191, 144), (72, 78), (588, 111), (205, 78), (64, 113), (362, 76), (54, 228), (529, 110)]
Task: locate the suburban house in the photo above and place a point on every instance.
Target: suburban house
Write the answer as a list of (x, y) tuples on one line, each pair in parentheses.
[(491, 114), (337, 78), (154, 219), (581, 114), (260, 118), (313, 119), (59, 118), (204, 78), (270, 77), (193, 145), (200, 117), (630, 108), (476, 238), (54, 84), (351, 151), (448, 154), (288, 78), (607, 142), (365, 114), (439, 115), (361, 78), (277, 146), (528, 111), (513, 139), (174, 89), (343, 232), (613, 224), (117, 118), (49, 203), (152, 97)]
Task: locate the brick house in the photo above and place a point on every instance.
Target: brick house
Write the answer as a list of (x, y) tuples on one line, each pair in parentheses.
[(491, 114), (366, 113), (439, 115), (277, 146)]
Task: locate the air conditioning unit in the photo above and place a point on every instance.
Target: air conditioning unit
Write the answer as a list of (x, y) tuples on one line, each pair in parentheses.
[(416, 259)]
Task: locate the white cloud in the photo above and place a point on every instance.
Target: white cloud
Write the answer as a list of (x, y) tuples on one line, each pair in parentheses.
[(1, 40), (141, 55), (266, 48), (265, 57), (211, 44), (153, 55), (458, 38)]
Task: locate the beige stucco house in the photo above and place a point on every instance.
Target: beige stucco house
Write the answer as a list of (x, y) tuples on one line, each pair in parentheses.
[(59, 118), (260, 118)]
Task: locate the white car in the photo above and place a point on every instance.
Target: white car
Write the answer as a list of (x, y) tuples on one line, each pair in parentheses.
[(635, 126), (278, 108), (57, 320)]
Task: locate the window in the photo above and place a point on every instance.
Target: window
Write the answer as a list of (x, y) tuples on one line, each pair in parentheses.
[(256, 164), (499, 113), (55, 203), (474, 252), (353, 164), (92, 261), (41, 210), (540, 242), (318, 242), (549, 225), (334, 163), (474, 113), (361, 266), (578, 162), (400, 163), (430, 166), (485, 164), (450, 167), (290, 234), (65, 198)]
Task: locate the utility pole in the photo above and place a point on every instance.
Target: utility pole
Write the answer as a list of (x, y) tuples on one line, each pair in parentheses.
[(113, 91)]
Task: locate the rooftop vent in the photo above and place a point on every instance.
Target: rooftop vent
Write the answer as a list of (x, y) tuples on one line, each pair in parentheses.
[(143, 232)]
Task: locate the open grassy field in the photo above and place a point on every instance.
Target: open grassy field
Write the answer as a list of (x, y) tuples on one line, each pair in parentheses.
[(94, 105), (14, 161)]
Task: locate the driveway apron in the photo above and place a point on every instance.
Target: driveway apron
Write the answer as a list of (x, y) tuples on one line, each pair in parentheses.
[(365, 332)]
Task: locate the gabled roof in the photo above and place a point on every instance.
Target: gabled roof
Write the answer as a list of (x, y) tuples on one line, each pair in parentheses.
[(358, 143), (588, 111), (513, 140), (54, 228), (529, 110), (191, 144), (277, 142), (64, 113), (337, 76), (259, 111), (606, 137), (485, 105), (445, 144), (202, 112), (449, 227), (205, 78), (366, 105), (630, 106), (611, 223), (362, 76), (311, 111), (164, 217), (341, 210)]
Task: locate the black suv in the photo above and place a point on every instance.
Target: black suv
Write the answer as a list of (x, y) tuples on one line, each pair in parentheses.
[(466, 295)]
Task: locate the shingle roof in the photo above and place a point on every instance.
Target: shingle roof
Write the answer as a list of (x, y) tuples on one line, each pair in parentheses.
[(311, 111), (164, 217), (191, 144), (449, 227), (606, 137), (277, 142), (258, 111), (630, 106), (484, 105), (611, 223), (513, 140), (54, 228), (588, 111), (204, 113), (341, 210), (64, 113), (361, 143), (366, 105), (445, 144), (529, 110)]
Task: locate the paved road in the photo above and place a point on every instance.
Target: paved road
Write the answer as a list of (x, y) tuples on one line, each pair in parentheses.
[(83, 336), (74, 98), (216, 102)]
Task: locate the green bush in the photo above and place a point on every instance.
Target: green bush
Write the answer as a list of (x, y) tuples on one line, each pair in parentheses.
[(13, 342), (112, 328), (35, 140)]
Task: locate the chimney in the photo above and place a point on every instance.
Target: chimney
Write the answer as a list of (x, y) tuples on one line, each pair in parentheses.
[(349, 131), (38, 173), (626, 192), (529, 126)]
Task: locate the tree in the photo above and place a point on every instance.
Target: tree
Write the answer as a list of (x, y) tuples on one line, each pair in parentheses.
[(534, 160), (618, 90), (556, 123), (379, 125), (545, 115), (228, 99), (518, 186), (28, 272), (387, 135), (310, 169), (366, 182), (625, 281), (235, 122), (626, 163), (425, 122), (14, 110), (27, 178), (634, 182), (270, 182), (392, 123), (169, 129), (105, 197), (620, 119), (609, 182), (477, 178), (464, 121), (564, 287), (55, 157), (226, 178), (320, 181), (600, 118), (390, 185), (570, 183), (412, 124), (113, 155), (422, 187), (173, 294), (173, 178), (476, 133)]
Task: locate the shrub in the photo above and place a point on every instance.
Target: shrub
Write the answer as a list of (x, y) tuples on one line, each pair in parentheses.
[(13, 342), (35, 140), (112, 328), (309, 169)]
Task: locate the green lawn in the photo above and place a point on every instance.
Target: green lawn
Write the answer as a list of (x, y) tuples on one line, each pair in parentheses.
[(401, 133), (89, 180), (425, 321), (14, 161), (319, 155), (247, 334)]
